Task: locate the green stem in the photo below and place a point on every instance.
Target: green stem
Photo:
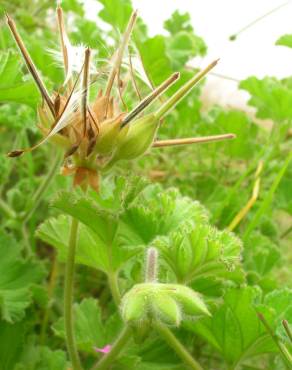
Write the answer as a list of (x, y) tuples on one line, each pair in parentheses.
[(286, 232), (285, 354), (287, 329), (117, 347), (177, 346), (51, 286), (42, 188), (7, 210), (68, 297), (235, 35), (114, 287)]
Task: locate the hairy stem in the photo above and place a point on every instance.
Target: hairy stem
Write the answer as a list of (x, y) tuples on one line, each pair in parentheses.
[(167, 335), (151, 265), (116, 349), (51, 287), (68, 297), (114, 287)]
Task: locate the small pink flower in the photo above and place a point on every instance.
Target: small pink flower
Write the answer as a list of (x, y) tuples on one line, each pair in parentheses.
[(105, 349)]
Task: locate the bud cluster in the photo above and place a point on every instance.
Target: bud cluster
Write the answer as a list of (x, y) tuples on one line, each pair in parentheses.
[(166, 303)]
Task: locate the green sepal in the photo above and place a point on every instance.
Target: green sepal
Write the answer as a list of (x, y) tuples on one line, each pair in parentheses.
[(190, 301), (135, 305), (166, 308)]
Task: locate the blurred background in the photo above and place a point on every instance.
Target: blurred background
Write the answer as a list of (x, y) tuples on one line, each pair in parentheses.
[(257, 25)]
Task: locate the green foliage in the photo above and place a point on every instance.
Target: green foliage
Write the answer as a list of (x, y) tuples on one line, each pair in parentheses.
[(12, 86), (17, 277), (244, 336), (203, 266), (42, 358), (270, 97), (11, 338), (108, 239), (116, 13), (91, 330), (201, 252)]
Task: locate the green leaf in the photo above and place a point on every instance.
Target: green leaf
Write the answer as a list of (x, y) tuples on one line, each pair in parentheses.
[(41, 358), (90, 328), (260, 254), (88, 33), (285, 40), (178, 22), (91, 251), (155, 60), (116, 13), (245, 144), (107, 240), (16, 279), (75, 6), (103, 223), (11, 339), (13, 88), (183, 44), (270, 97), (157, 212), (200, 252), (235, 329), (280, 301)]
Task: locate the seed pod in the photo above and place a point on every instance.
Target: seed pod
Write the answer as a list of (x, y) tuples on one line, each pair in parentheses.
[(107, 137), (135, 305), (139, 138), (166, 309), (190, 301)]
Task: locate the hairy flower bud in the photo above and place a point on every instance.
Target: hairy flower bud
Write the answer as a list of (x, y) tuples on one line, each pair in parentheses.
[(165, 303)]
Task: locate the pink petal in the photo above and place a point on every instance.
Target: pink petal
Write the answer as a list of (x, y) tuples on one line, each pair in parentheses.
[(105, 349)]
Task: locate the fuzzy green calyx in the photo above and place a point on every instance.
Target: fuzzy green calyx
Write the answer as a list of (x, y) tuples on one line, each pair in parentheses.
[(166, 303)]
